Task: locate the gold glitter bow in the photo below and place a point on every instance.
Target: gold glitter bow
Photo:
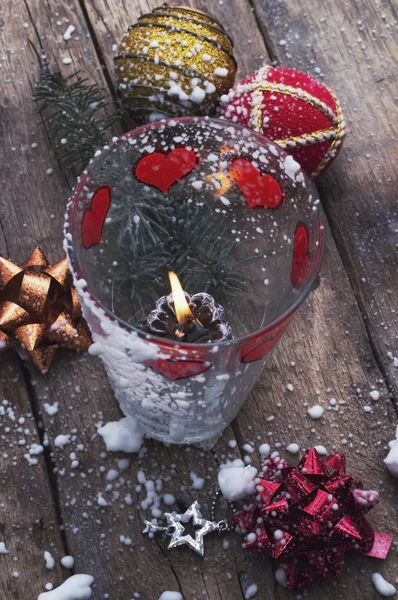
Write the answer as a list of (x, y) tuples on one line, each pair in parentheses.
[(39, 309)]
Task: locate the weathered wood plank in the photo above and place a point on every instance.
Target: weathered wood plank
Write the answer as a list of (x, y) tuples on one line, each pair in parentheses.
[(28, 521), (352, 47)]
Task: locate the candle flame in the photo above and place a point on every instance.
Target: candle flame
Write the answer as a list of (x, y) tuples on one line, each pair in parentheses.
[(180, 302)]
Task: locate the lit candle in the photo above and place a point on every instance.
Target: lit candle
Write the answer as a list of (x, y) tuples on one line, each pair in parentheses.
[(193, 319)]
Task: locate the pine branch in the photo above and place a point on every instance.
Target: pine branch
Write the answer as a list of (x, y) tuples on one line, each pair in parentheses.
[(70, 108)]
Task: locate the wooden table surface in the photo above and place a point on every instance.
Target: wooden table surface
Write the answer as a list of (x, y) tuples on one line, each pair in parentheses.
[(340, 340)]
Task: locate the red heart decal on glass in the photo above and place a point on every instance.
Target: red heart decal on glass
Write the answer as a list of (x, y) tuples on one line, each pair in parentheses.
[(301, 255), (262, 349), (178, 369), (94, 218), (161, 170), (258, 190)]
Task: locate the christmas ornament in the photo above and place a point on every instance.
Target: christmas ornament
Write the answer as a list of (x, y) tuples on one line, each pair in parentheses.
[(309, 516), (39, 309), (294, 110), (175, 61), (175, 528)]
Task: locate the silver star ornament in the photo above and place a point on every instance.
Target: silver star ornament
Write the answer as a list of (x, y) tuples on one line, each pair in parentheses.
[(178, 539)]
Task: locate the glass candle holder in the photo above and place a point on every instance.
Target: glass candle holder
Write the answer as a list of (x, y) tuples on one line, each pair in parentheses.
[(235, 217)]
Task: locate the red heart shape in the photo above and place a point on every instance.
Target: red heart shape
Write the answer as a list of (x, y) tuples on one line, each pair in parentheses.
[(161, 170), (301, 255), (178, 369), (258, 190), (94, 218), (262, 349)]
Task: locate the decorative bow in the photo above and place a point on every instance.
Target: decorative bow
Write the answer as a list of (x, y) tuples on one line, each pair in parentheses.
[(309, 516), (39, 309)]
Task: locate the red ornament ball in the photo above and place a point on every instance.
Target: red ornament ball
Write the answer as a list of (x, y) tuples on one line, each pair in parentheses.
[(293, 109)]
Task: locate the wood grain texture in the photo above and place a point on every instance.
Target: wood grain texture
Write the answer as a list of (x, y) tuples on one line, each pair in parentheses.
[(28, 521), (352, 47), (326, 356)]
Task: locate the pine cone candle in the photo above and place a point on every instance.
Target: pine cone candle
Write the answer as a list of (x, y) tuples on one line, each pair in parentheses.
[(174, 61), (162, 321)]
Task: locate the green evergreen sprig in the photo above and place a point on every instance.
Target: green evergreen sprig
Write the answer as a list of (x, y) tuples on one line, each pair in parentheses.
[(73, 112)]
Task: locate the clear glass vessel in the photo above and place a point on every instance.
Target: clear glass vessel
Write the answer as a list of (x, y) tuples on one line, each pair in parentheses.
[(235, 217)]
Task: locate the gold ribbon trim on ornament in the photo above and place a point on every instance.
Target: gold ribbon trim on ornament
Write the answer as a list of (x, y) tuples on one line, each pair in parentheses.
[(336, 142), (308, 138)]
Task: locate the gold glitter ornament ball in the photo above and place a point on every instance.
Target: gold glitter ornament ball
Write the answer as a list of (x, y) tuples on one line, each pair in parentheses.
[(174, 61)]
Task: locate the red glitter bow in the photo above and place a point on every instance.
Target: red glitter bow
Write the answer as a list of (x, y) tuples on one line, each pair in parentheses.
[(308, 517)]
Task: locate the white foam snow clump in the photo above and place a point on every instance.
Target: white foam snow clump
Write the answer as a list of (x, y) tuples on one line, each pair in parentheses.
[(125, 435), (391, 460), (77, 587), (236, 481)]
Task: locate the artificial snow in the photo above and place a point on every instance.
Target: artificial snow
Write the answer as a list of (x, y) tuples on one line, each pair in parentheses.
[(280, 576), (315, 412), (3, 549), (68, 33), (171, 596), (293, 448), (51, 409), (36, 449), (101, 500), (197, 482), (375, 395), (291, 167), (62, 440), (221, 72), (197, 95), (77, 587), (169, 499), (236, 481), (251, 591), (68, 562), (50, 562), (391, 460), (125, 435), (321, 450), (382, 586), (264, 450), (67, 61)]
